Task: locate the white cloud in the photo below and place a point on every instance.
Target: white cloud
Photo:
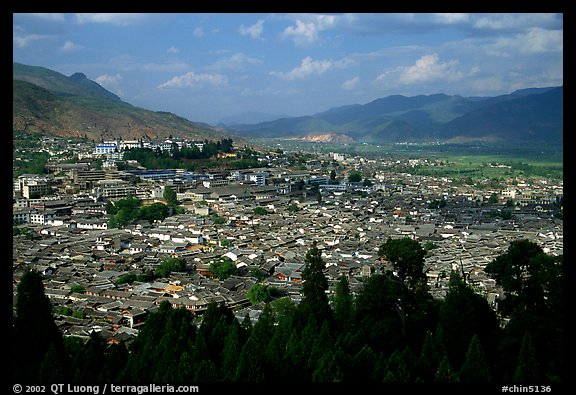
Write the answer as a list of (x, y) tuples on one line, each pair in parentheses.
[(427, 68), (20, 40), (536, 40), (302, 33), (198, 32), (107, 79), (52, 17), (192, 79), (533, 41), (164, 67), (351, 83), (173, 50), (306, 31), (502, 21), (119, 19), (69, 46), (450, 18), (111, 82), (238, 61), (307, 67), (255, 31)]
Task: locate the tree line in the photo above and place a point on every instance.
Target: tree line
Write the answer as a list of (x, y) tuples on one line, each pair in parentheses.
[(391, 330)]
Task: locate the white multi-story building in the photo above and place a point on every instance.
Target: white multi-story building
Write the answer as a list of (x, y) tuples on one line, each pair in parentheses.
[(106, 148), (30, 184)]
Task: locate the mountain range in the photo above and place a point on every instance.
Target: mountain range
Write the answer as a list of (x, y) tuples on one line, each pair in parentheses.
[(75, 106), (533, 115)]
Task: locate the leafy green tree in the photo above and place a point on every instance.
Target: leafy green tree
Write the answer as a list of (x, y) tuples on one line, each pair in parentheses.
[(493, 199), (259, 293), (260, 210), (512, 268), (170, 196), (154, 212), (127, 278), (170, 265), (77, 288), (123, 212), (223, 268), (407, 256), (354, 176), (293, 208)]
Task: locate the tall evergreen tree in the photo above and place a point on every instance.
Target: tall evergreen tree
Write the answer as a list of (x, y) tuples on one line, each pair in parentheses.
[(527, 370), (445, 374), (475, 369), (343, 304), (327, 370), (314, 302), (464, 314), (233, 343), (380, 312), (428, 360), (115, 359), (54, 367), (89, 364), (363, 363), (34, 330)]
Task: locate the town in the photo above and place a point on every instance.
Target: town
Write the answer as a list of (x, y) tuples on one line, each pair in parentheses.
[(262, 219)]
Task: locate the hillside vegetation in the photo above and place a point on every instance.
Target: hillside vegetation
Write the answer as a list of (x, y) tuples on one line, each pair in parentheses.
[(49, 102)]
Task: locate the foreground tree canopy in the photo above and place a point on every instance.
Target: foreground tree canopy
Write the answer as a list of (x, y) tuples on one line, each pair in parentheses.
[(387, 331)]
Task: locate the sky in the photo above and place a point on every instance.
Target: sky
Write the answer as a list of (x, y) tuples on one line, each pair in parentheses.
[(209, 67)]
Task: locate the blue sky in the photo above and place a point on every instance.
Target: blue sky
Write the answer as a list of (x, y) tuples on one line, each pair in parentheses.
[(207, 67)]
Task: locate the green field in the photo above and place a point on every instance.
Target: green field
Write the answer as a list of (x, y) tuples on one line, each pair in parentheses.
[(452, 160)]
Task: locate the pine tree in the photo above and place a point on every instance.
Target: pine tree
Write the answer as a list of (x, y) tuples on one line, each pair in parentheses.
[(343, 304), (232, 348), (475, 369), (444, 374), (363, 363), (428, 360), (34, 330), (314, 302), (327, 370), (464, 314), (527, 370)]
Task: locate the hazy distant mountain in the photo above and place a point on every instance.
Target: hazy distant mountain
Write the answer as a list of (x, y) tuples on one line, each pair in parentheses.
[(527, 115), (534, 117), (50, 102), (249, 117)]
